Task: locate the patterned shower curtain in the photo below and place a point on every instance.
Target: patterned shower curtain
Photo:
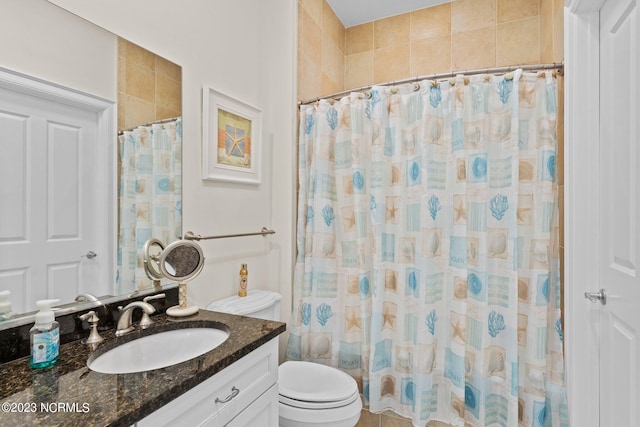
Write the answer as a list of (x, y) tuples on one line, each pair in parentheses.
[(150, 197), (428, 261)]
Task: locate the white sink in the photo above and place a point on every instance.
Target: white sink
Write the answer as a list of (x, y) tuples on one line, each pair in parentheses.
[(158, 351)]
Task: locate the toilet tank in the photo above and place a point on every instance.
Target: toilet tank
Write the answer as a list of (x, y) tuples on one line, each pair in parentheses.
[(258, 303)]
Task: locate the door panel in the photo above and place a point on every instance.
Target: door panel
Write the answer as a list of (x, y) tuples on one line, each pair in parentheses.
[(64, 154), (619, 209), (14, 167)]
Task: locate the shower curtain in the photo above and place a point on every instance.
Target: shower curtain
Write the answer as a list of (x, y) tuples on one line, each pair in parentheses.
[(428, 260), (150, 196)]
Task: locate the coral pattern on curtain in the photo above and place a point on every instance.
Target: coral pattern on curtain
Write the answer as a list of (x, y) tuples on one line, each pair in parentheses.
[(150, 197), (428, 260)]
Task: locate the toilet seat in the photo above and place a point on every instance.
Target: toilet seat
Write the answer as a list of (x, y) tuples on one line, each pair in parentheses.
[(318, 405), (322, 384), (316, 395)]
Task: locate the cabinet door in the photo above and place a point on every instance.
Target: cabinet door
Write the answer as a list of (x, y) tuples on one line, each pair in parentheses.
[(223, 396), (263, 412)]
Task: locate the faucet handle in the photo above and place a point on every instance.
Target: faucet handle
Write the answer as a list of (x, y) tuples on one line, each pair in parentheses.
[(146, 321), (92, 318)]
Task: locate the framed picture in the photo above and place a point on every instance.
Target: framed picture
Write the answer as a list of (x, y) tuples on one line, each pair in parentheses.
[(231, 146)]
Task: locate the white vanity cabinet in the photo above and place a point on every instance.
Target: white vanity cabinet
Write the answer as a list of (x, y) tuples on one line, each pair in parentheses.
[(242, 394)]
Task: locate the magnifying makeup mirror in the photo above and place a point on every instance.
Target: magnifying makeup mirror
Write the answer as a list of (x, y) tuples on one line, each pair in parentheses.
[(182, 260), (152, 250)]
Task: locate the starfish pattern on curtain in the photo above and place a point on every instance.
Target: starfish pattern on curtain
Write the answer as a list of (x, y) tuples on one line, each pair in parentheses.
[(428, 257), (150, 197)]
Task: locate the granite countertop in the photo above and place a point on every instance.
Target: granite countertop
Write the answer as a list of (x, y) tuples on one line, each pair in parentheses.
[(70, 394)]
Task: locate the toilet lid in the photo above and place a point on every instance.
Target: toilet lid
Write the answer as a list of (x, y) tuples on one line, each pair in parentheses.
[(256, 300), (313, 382)]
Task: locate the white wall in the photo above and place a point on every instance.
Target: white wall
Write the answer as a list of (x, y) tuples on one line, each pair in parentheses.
[(41, 40), (244, 48)]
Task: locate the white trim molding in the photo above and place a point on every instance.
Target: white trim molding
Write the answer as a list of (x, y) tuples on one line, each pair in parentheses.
[(583, 7), (51, 91), (582, 101)]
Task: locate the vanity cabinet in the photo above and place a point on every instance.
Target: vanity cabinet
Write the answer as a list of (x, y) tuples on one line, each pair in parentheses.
[(242, 394)]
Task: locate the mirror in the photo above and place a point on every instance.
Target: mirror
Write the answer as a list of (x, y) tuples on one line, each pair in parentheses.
[(151, 252), (147, 88), (149, 161), (180, 261)]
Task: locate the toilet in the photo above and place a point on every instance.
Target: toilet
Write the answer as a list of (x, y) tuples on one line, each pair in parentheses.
[(326, 397)]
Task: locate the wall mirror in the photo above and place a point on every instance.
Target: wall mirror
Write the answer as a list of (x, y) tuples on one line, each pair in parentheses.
[(149, 102)]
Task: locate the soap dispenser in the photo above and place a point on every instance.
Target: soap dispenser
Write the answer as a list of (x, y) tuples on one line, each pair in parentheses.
[(5, 306), (44, 336)]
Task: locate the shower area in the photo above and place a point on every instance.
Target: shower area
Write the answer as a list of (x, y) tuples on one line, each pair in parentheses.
[(447, 266), (149, 159)]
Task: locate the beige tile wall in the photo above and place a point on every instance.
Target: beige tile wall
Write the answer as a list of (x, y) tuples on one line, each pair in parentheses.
[(462, 35), (149, 87), (321, 58)]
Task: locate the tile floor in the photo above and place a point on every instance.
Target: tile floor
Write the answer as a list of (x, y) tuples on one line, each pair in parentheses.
[(390, 419)]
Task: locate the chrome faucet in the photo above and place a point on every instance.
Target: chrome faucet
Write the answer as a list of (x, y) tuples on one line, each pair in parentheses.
[(124, 322)]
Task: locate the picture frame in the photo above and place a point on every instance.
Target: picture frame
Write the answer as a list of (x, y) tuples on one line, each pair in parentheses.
[(231, 139)]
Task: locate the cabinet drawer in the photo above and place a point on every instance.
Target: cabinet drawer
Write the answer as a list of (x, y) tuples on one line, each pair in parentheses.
[(261, 413), (225, 394)]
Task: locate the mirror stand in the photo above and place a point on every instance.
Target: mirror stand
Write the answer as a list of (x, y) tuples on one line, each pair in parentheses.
[(182, 309)]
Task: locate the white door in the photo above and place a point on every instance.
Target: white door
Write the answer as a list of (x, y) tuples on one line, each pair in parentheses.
[(619, 214), (52, 200)]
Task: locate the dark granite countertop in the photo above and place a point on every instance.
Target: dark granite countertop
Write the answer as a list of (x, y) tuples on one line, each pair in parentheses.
[(70, 394)]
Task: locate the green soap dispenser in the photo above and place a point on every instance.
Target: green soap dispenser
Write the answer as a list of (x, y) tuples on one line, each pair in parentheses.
[(44, 336)]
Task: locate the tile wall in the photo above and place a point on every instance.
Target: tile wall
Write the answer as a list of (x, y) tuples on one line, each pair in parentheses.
[(321, 50), (462, 35), (149, 86)]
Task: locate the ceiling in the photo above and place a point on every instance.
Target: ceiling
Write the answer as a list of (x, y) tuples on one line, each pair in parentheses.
[(354, 12)]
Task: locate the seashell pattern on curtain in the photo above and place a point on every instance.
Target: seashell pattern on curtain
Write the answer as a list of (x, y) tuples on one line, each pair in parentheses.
[(431, 274), (150, 197)]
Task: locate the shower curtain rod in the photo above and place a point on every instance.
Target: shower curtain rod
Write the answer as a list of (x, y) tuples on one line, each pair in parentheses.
[(156, 122), (495, 70)]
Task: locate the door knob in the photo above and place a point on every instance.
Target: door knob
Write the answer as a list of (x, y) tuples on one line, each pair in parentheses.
[(597, 296), (90, 255)]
